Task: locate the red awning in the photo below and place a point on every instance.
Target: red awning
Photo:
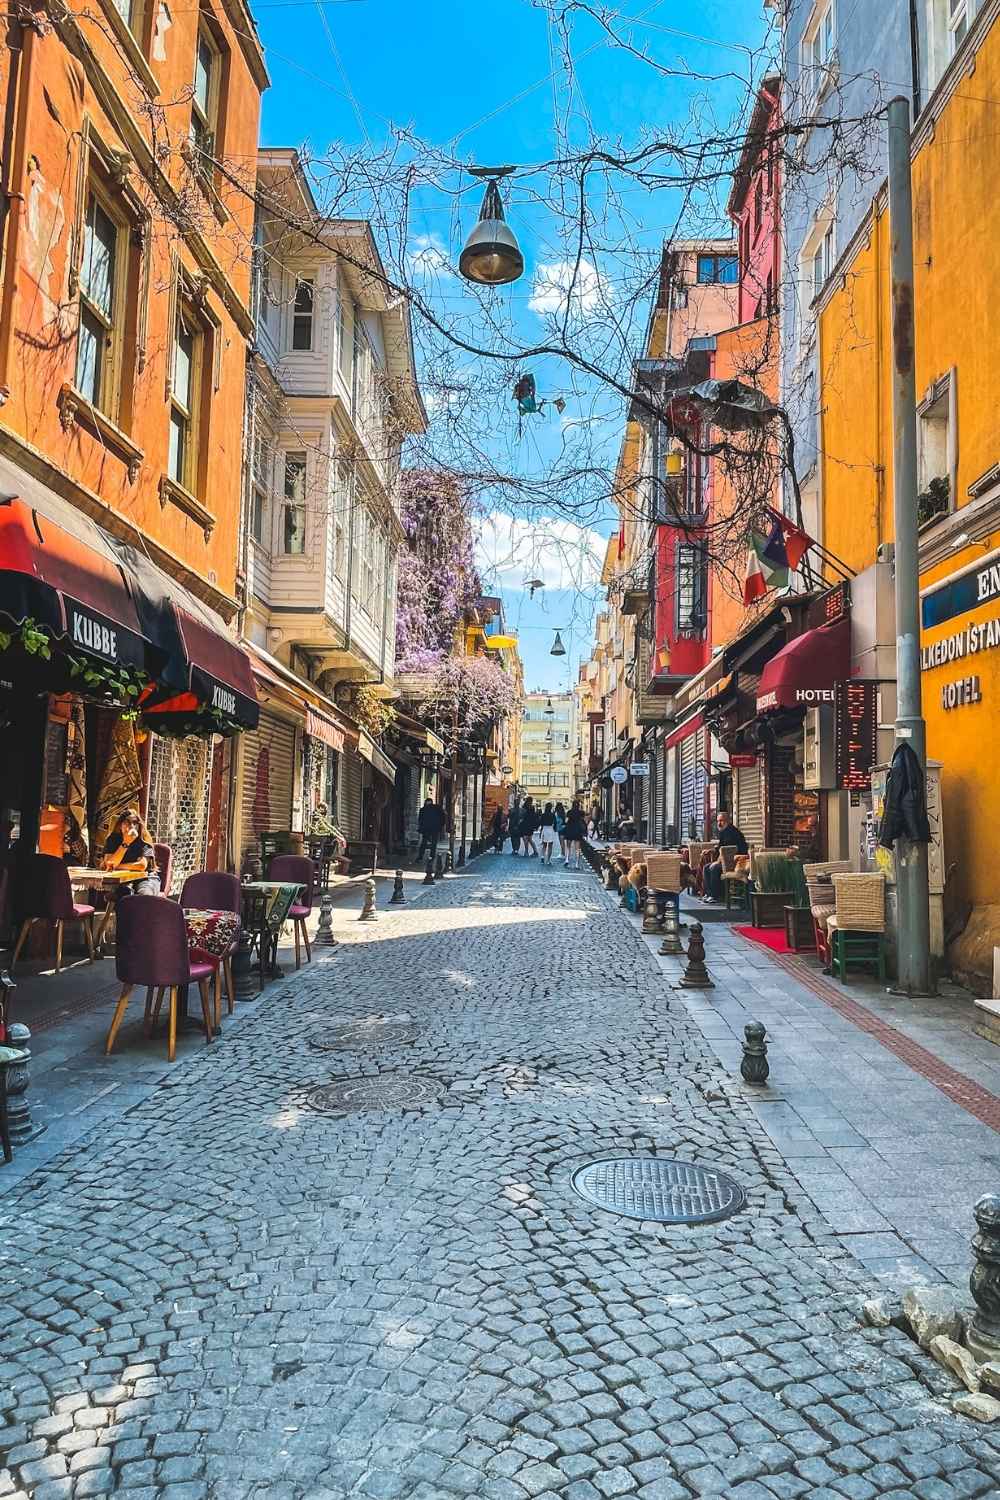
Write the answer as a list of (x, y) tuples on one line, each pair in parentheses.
[(68, 580), (323, 729), (805, 673), (691, 727)]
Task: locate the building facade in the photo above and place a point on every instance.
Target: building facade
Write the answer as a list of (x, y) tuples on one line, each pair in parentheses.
[(548, 747), (124, 326)]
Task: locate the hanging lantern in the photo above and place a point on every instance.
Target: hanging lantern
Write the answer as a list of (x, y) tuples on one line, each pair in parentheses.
[(531, 584), (558, 649), (675, 463), (491, 255)]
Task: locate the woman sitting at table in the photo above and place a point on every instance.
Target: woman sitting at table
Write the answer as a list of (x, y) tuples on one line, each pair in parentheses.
[(130, 847)]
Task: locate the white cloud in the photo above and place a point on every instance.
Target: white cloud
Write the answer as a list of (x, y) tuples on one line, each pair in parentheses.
[(428, 256), (559, 281), (510, 550)]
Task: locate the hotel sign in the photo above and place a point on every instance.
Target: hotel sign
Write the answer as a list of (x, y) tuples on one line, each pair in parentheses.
[(960, 595)]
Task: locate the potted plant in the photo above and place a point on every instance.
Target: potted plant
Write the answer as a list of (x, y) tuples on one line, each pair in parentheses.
[(799, 930), (774, 889)]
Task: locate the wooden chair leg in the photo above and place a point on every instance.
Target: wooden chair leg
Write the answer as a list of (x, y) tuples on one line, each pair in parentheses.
[(59, 940), (305, 939), (227, 965), (88, 934), (8, 1145), (22, 938), (118, 1017), (172, 1025), (217, 989), (154, 1019), (206, 1004), (298, 951)]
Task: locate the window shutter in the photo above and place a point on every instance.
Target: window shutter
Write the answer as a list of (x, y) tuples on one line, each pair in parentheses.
[(175, 276), (80, 208)]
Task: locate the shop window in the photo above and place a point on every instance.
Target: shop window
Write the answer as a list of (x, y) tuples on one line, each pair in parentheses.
[(101, 277), (294, 508), (302, 314)]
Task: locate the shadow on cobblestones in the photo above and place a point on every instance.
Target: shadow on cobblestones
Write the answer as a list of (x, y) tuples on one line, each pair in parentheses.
[(230, 1294)]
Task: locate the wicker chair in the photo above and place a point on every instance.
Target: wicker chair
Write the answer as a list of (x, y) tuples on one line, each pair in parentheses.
[(735, 883), (823, 900), (857, 927)]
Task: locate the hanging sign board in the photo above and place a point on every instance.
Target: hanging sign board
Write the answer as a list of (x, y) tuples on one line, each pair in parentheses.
[(856, 736), (618, 774), (639, 768), (742, 760)]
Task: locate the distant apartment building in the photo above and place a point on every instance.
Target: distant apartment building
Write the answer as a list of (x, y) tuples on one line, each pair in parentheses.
[(548, 746)]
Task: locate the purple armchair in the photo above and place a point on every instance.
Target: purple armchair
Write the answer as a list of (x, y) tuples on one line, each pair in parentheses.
[(45, 895), (152, 950), (296, 869), (214, 890), (164, 857)]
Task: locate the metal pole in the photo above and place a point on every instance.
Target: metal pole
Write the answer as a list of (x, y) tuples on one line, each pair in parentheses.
[(913, 912)]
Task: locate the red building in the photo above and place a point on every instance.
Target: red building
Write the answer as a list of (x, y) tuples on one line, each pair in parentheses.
[(755, 207)]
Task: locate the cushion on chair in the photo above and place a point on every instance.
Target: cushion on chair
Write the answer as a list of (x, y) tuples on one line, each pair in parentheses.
[(82, 911), (200, 971), (299, 911)]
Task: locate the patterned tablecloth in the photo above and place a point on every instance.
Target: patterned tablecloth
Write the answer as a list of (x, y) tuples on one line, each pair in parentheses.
[(211, 934), (270, 900)]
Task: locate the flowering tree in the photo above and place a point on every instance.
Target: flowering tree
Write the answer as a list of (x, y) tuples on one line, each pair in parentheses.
[(437, 578), (467, 692)]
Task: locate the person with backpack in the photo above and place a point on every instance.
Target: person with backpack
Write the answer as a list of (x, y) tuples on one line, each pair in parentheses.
[(498, 830), (514, 826)]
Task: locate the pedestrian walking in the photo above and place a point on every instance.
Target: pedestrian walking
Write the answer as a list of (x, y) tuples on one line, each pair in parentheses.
[(573, 835), (526, 826), (550, 838), (514, 826), (430, 826), (499, 830), (560, 825)]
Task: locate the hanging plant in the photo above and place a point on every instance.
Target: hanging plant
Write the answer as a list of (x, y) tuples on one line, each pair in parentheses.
[(205, 721), (33, 640), (111, 684), (367, 708)]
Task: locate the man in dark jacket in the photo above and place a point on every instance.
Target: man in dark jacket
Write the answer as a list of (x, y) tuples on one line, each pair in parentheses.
[(728, 834), (430, 825)]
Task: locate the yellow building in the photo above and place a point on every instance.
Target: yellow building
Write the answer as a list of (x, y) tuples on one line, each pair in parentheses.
[(957, 280)]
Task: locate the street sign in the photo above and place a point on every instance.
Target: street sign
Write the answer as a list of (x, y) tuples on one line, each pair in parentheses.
[(618, 774), (742, 759), (506, 770), (639, 768)]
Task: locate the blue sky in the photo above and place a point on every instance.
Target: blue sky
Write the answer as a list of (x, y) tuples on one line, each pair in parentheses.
[(448, 73)]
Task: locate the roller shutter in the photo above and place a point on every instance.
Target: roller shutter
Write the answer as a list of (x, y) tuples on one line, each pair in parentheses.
[(748, 798), (692, 778), (671, 756), (351, 784), (268, 779)]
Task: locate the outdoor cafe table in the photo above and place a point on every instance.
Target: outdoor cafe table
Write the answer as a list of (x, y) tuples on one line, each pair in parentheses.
[(266, 904), (107, 881)]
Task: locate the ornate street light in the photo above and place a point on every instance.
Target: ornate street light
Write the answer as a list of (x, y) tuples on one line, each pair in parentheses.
[(491, 255)]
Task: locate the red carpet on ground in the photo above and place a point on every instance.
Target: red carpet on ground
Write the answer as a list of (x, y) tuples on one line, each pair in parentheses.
[(768, 937)]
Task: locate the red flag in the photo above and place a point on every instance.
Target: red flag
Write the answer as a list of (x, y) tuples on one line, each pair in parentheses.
[(755, 583), (797, 543)]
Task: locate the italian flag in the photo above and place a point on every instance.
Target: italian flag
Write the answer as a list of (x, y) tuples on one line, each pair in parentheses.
[(760, 574)]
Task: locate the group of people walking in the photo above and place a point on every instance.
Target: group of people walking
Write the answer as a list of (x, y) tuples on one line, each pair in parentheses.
[(535, 831)]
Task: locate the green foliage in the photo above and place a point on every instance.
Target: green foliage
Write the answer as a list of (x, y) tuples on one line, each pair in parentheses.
[(775, 872), (110, 683), (30, 637)]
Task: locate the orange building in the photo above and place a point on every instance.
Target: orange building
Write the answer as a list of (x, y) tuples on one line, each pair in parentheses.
[(124, 323)]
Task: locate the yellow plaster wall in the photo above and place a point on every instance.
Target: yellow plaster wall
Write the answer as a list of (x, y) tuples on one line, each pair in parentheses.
[(957, 279)]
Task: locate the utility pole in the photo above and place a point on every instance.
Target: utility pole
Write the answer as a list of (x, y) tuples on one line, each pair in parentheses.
[(913, 906)]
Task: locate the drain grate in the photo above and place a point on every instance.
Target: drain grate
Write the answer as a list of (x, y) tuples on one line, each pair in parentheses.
[(366, 1031), (659, 1189), (381, 1091)]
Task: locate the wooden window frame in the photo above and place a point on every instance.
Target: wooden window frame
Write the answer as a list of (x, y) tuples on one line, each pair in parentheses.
[(189, 300), (308, 280), (288, 503), (107, 399), (205, 123)]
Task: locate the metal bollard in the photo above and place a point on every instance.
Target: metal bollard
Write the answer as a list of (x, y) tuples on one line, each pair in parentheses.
[(439, 868), (651, 915), (368, 913), (398, 897), (671, 945), (696, 976), (18, 1078), (244, 973), (324, 932), (982, 1336), (429, 872), (754, 1066)]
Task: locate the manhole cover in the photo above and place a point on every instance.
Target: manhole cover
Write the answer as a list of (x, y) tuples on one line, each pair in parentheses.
[(383, 1091), (367, 1031), (654, 1187)]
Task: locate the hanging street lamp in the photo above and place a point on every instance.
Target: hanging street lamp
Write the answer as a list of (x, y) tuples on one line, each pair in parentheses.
[(491, 255), (558, 649)]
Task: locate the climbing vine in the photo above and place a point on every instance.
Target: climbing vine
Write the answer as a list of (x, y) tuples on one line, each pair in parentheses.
[(437, 578)]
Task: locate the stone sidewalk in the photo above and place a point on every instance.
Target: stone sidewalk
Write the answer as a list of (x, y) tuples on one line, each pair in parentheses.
[(247, 1286), (865, 1099)]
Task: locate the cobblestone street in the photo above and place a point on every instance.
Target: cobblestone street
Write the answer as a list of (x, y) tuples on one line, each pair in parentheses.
[(230, 1292)]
